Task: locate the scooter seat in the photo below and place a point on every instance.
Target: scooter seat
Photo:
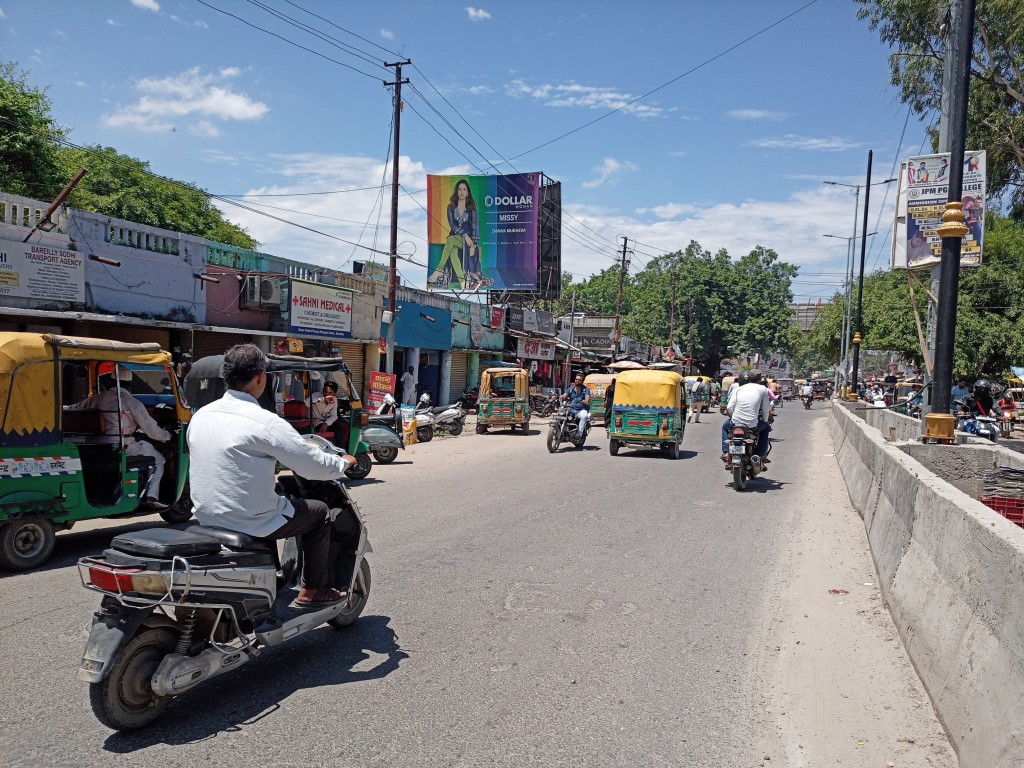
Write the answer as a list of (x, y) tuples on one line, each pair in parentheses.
[(232, 539), (382, 418), (165, 543)]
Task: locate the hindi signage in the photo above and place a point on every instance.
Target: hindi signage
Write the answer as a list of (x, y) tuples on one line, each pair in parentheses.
[(380, 384), (536, 349)]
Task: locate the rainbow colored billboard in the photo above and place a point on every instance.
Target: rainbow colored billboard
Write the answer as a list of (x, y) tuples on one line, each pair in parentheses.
[(482, 232)]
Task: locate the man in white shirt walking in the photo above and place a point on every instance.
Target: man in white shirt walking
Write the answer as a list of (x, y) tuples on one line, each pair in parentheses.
[(748, 407), (409, 387), (235, 445)]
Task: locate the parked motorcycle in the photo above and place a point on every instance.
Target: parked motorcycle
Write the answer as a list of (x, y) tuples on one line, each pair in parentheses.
[(182, 606), (470, 398), (386, 443), (544, 405), (743, 461), (564, 428)]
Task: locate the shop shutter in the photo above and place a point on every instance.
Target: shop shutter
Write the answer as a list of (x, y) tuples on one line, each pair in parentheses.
[(354, 355), (459, 372), (206, 343)]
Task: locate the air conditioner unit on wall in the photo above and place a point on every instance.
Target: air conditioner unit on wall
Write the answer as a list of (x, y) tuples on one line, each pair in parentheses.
[(262, 293)]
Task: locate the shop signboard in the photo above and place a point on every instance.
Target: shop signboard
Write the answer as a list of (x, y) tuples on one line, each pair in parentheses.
[(39, 271), (497, 317), (380, 384), (535, 349), (482, 232), (319, 310)]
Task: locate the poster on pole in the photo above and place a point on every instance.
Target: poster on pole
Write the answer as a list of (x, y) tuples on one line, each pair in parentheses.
[(923, 191), (38, 271), (482, 232)]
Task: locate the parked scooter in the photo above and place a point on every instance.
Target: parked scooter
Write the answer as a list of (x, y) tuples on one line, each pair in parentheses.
[(182, 606), (564, 427), (446, 419), (384, 431), (424, 419)]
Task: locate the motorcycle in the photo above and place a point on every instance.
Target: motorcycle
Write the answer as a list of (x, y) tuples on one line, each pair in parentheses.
[(980, 426), (544, 405), (564, 427), (1007, 415), (470, 398), (385, 443), (743, 461), (808, 399), (181, 606), (444, 419)]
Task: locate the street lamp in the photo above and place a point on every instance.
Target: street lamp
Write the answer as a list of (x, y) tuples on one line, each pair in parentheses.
[(844, 341)]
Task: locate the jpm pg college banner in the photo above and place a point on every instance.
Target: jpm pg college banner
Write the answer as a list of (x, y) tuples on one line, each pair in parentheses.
[(39, 271), (482, 232), (316, 309), (924, 189)]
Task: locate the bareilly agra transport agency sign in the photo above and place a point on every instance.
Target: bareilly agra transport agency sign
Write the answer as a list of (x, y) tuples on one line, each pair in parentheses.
[(316, 309)]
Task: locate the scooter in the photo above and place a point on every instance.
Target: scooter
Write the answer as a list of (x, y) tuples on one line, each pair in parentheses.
[(384, 431), (449, 419), (808, 399), (981, 426), (424, 414), (182, 606)]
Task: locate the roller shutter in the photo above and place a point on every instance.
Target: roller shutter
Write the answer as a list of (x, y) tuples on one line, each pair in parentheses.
[(459, 372), (354, 355), (206, 343)]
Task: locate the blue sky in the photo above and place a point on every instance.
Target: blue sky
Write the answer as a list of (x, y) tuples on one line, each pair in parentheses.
[(731, 153)]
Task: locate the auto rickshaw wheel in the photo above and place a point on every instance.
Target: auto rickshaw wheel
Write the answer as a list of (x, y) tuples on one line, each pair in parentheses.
[(362, 467), (673, 451), (613, 447), (481, 429), (181, 510), (385, 455), (26, 543)]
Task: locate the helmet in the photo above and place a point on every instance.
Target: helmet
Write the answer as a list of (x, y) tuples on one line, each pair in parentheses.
[(742, 378), (425, 399), (982, 385)]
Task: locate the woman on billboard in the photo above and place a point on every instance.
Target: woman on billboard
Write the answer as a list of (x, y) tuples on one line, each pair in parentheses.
[(462, 246)]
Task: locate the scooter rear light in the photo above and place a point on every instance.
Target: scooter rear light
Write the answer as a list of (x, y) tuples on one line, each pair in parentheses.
[(364, 419), (128, 580)]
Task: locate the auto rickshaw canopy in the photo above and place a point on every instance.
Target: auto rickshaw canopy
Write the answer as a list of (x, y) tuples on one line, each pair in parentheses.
[(30, 379), (659, 390), (598, 382), (519, 375)]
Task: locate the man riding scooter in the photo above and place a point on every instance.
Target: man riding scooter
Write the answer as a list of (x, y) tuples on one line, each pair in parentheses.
[(578, 399)]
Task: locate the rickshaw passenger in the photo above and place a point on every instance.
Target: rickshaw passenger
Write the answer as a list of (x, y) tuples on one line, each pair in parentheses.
[(133, 417), (578, 399)]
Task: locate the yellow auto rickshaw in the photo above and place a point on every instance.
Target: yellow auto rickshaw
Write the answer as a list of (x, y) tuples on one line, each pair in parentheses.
[(65, 455), (504, 399), (597, 383), (649, 410)]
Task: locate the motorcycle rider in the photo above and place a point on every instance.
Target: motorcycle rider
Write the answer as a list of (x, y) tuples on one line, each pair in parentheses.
[(807, 390), (749, 407), (982, 403), (235, 445), (578, 399)]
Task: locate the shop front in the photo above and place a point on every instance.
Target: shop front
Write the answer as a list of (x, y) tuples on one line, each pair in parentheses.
[(423, 339)]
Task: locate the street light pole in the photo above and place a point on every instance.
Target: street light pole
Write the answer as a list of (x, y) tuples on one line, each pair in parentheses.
[(860, 283)]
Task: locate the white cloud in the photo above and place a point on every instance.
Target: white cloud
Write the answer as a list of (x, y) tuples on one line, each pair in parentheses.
[(758, 114), (792, 141), (477, 14), (205, 128), (80, 84), (2, 14), (112, 23), (479, 90), (61, 34), (669, 210), (201, 24), (205, 96), (576, 95), (678, 153), (387, 34), (146, 5), (608, 171)]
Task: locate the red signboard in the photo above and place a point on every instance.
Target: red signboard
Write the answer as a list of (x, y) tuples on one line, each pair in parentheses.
[(497, 317), (380, 384)]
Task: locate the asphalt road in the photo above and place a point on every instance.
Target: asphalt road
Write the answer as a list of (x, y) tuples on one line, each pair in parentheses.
[(527, 608)]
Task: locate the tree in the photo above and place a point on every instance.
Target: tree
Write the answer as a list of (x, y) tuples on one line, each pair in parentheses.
[(995, 120), (29, 157)]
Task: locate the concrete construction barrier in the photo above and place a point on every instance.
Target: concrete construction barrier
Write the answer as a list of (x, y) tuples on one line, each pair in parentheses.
[(952, 573)]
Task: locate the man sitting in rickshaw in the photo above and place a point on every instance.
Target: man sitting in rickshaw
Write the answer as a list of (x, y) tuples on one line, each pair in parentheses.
[(578, 399)]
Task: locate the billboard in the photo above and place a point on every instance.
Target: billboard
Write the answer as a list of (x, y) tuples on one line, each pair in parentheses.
[(316, 309), (482, 232), (923, 191), (38, 271)]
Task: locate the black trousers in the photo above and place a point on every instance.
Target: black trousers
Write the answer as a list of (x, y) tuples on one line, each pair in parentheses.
[(312, 524)]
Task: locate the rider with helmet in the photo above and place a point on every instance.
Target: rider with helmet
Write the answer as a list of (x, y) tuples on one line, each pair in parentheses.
[(981, 402)]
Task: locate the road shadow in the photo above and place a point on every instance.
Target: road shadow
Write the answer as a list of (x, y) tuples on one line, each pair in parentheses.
[(645, 453), (323, 657), (349, 482), (761, 484)]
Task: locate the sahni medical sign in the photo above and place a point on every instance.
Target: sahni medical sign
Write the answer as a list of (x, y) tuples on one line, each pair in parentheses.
[(316, 309), (40, 271)]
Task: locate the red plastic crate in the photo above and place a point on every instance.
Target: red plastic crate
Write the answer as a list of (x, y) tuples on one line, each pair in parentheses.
[(1011, 509)]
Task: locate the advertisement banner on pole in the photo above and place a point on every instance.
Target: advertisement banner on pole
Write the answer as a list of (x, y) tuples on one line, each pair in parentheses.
[(482, 232), (319, 310), (37, 271), (923, 191), (380, 384)]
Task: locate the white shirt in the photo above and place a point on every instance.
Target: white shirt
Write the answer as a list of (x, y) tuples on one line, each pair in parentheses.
[(132, 416), (807, 390), (748, 402), (235, 445), (408, 380), (323, 414)]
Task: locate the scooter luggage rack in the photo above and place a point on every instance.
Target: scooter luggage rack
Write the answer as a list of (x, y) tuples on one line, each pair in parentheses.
[(168, 599)]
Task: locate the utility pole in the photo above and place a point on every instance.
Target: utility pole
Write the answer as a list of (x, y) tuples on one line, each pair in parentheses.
[(393, 257), (689, 334), (672, 311), (572, 336), (857, 337), (618, 302)]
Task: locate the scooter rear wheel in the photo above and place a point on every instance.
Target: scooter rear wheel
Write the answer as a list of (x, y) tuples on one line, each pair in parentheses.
[(357, 600), (124, 700), (455, 429), (385, 455)]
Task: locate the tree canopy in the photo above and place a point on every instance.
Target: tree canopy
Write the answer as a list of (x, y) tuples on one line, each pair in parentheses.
[(995, 120), (34, 162)]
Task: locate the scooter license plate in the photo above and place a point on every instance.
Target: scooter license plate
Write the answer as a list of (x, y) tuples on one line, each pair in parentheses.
[(737, 450)]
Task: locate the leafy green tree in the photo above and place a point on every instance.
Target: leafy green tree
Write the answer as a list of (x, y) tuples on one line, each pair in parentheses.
[(29, 159), (996, 107)]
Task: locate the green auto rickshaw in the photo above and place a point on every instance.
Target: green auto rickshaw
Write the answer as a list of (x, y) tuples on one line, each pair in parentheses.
[(598, 383), (504, 399), (649, 411), (62, 458)]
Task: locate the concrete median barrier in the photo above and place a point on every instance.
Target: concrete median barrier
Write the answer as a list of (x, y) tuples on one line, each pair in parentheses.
[(952, 573)]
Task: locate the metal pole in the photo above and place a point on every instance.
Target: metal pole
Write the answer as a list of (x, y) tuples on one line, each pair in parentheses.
[(953, 230), (860, 285), (572, 336), (618, 302), (56, 203), (849, 284), (393, 257)]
